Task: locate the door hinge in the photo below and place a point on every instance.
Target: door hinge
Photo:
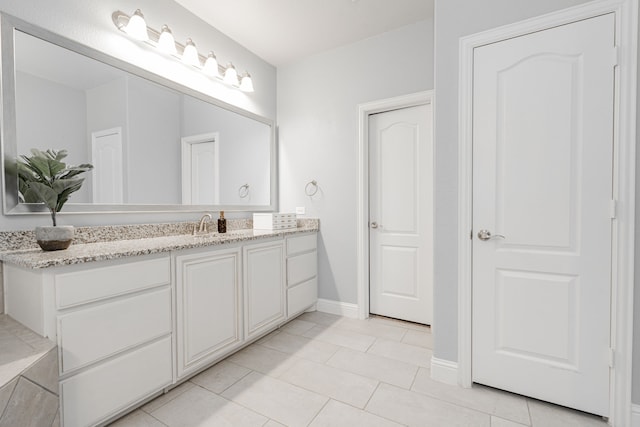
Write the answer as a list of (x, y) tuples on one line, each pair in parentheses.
[(615, 56), (613, 208), (471, 235), (612, 358)]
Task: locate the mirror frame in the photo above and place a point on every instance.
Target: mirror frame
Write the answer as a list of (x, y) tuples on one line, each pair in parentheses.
[(8, 133)]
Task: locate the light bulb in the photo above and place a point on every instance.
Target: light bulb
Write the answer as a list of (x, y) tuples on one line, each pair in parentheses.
[(137, 26), (166, 42), (190, 54), (231, 75), (246, 84), (211, 66)]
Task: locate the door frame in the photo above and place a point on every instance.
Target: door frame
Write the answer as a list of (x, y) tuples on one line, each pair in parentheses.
[(362, 255), (623, 226)]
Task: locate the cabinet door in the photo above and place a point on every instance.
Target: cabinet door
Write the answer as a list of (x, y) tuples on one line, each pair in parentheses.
[(264, 287), (208, 307)]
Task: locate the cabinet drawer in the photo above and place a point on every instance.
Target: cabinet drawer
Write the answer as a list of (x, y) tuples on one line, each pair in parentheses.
[(92, 284), (88, 335), (302, 296), (302, 267), (299, 244), (103, 391)]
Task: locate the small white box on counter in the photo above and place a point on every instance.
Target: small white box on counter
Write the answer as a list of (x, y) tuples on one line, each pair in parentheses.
[(274, 221)]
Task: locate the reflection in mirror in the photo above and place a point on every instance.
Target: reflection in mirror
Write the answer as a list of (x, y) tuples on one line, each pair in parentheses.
[(153, 147)]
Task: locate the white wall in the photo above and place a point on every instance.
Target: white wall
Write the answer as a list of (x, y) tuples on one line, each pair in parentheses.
[(318, 135), (153, 147), (90, 23), (51, 115)]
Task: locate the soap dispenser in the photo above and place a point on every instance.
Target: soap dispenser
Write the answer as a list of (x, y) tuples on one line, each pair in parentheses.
[(222, 223)]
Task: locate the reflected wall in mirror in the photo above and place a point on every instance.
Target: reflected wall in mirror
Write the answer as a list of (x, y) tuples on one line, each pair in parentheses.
[(153, 146)]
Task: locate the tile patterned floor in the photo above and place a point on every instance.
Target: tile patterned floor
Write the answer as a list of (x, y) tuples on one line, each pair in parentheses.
[(321, 370)]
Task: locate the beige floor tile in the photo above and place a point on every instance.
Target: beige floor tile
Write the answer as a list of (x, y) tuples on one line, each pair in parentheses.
[(408, 353), (375, 329), (419, 338), (30, 405), (501, 422), (415, 409), (264, 360), (548, 415), (267, 337), (199, 407), (167, 397), (320, 318), (330, 394), (5, 394), (45, 371), (376, 367), (278, 400), (137, 418), (220, 376), (337, 414), (335, 383), (485, 399), (341, 337), (303, 347), (297, 327)]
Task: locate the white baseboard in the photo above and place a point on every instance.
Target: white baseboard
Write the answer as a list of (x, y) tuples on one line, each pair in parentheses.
[(339, 308), (635, 415), (444, 371)]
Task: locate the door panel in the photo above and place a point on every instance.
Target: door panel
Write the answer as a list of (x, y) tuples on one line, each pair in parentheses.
[(542, 185), (401, 204), (106, 156)]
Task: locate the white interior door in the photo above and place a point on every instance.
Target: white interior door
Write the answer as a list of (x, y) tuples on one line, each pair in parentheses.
[(542, 178), (401, 214), (201, 169), (106, 156)]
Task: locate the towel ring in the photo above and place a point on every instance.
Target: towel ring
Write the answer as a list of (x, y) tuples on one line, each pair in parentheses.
[(311, 188), (243, 191)]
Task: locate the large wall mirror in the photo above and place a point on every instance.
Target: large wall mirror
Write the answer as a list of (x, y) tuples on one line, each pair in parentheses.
[(155, 145)]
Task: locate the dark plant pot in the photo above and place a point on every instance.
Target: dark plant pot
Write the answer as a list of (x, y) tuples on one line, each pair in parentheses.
[(54, 238)]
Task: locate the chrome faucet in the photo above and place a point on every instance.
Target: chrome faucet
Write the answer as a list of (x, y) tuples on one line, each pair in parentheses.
[(202, 228)]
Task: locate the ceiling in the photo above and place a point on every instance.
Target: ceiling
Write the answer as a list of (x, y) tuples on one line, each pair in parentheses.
[(284, 31)]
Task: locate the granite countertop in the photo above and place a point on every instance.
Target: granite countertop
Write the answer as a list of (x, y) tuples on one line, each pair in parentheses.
[(101, 251)]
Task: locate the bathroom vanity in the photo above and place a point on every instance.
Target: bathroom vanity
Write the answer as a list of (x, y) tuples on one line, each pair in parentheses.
[(133, 318)]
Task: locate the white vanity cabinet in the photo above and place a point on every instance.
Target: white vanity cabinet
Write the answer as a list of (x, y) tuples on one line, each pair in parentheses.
[(264, 287), (113, 325), (302, 273), (127, 329), (208, 306)]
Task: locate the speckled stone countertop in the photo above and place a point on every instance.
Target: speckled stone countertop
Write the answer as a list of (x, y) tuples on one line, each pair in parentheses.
[(115, 249)]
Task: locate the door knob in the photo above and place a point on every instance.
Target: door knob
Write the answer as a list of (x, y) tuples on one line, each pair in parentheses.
[(485, 235), (374, 225)]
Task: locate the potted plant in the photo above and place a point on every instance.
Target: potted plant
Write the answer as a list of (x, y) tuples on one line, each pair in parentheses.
[(44, 178)]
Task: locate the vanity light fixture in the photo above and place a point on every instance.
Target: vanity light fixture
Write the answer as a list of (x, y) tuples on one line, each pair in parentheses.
[(136, 27), (211, 66), (190, 54), (166, 42), (231, 75), (246, 83)]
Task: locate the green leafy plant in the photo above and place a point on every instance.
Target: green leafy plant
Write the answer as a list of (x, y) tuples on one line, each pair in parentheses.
[(44, 178)]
